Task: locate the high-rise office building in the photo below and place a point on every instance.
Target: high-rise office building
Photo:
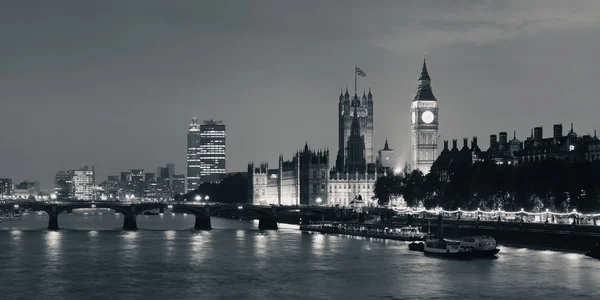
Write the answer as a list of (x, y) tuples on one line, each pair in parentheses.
[(63, 185), (5, 188), (83, 182), (213, 154), (193, 155)]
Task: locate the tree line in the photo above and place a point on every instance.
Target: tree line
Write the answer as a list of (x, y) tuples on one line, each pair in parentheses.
[(232, 189), (556, 185)]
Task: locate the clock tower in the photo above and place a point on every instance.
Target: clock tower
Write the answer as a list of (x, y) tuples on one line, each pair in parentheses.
[(424, 124)]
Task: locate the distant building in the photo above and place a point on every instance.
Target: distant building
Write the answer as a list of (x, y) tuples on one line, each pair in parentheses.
[(178, 184), (193, 155), (563, 147), (213, 151), (5, 188), (26, 189), (84, 181), (385, 158), (451, 160), (63, 185)]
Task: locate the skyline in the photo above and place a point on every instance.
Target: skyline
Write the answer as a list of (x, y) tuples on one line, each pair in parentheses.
[(118, 90)]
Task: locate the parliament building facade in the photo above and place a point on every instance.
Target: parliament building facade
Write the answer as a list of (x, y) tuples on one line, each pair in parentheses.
[(308, 178)]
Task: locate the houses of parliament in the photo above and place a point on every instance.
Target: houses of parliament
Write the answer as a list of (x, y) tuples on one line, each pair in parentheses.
[(308, 178)]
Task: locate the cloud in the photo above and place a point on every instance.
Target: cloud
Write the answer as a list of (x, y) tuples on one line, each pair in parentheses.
[(487, 22)]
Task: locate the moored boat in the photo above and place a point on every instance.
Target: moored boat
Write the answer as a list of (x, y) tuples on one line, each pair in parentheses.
[(480, 245), (416, 246), (435, 246)]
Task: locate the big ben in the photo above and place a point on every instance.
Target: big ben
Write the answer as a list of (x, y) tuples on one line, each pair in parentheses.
[(424, 124)]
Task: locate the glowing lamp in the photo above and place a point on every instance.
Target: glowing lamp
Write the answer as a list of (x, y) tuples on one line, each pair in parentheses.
[(198, 197)]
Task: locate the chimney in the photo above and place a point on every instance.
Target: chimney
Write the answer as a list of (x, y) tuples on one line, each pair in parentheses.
[(493, 140), (558, 131), (465, 143), (537, 134), (503, 138), (454, 144), (445, 145), (474, 143)]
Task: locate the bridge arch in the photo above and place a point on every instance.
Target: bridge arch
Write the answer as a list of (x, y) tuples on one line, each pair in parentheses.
[(267, 220)]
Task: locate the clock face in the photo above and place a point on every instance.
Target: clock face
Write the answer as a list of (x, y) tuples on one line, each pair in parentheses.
[(427, 117), (414, 117)]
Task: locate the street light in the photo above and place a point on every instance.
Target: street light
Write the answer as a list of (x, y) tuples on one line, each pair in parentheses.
[(206, 198), (319, 200), (198, 197)]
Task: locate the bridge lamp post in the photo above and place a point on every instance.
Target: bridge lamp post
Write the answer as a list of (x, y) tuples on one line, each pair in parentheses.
[(53, 196), (206, 198), (16, 206), (319, 200), (198, 198)]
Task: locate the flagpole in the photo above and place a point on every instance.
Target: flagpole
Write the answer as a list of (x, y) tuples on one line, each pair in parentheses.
[(355, 91)]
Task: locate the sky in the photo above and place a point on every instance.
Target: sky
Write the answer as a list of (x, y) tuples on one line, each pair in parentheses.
[(114, 83)]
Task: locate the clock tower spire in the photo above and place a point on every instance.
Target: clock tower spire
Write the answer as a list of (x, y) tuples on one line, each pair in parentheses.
[(424, 124)]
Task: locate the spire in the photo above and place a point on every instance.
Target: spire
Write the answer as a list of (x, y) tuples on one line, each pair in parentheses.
[(514, 134), (424, 72), (595, 134), (386, 147), (364, 96), (370, 95), (341, 95), (424, 90), (571, 127), (347, 95)]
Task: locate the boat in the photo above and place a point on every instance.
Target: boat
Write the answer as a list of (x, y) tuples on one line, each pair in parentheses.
[(594, 253), (410, 233), (416, 246), (480, 245), (436, 246)]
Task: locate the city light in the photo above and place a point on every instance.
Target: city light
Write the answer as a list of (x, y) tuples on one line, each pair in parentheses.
[(198, 198)]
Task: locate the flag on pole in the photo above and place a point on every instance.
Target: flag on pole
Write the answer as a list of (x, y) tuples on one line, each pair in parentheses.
[(360, 72)]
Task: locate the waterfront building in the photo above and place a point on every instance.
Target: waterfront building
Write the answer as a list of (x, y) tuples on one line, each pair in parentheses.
[(301, 180), (5, 188), (213, 151), (193, 155), (424, 124), (83, 183)]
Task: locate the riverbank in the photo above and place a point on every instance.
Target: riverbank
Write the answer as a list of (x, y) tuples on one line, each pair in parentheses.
[(571, 242), (363, 230)]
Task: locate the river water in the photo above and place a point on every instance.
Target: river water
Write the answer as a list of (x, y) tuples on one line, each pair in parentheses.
[(92, 258)]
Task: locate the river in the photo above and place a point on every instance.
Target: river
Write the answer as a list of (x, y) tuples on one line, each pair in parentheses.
[(92, 258)]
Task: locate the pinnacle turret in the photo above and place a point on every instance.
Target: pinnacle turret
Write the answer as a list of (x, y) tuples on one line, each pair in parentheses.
[(424, 72)]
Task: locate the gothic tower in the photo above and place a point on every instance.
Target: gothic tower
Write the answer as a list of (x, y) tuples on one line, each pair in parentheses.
[(355, 161), (347, 107), (424, 124)]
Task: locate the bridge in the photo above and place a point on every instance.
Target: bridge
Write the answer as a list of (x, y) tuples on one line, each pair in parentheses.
[(202, 211)]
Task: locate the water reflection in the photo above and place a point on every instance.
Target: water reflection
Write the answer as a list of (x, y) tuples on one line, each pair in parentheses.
[(201, 248), (318, 244)]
